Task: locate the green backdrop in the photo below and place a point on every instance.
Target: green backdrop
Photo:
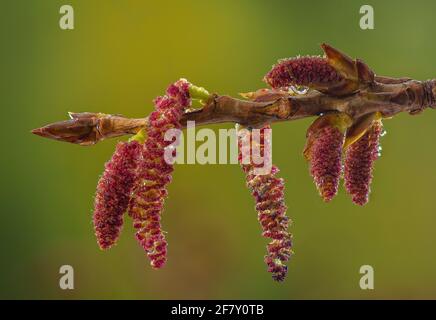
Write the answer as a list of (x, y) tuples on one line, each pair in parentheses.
[(121, 55)]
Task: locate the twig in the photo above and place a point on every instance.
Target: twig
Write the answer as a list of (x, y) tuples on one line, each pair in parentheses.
[(388, 96)]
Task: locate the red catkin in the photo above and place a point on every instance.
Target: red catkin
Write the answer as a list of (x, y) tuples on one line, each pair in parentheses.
[(154, 173), (113, 193), (325, 161), (268, 191), (359, 163), (305, 71)]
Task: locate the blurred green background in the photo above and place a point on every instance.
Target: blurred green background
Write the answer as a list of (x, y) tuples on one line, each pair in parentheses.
[(124, 53)]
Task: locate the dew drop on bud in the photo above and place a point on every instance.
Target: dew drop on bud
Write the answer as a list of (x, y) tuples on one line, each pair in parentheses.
[(299, 89), (379, 150), (383, 133)]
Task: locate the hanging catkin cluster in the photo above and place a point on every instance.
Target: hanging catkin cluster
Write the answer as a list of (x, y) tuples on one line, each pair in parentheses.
[(348, 100), (154, 173), (323, 151), (141, 173), (335, 133), (268, 192), (136, 177), (113, 193)]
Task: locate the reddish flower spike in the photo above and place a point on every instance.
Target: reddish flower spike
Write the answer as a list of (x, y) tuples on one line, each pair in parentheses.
[(325, 140), (359, 163), (113, 193), (325, 161), (154, 173), (311, 71), (268, 191)]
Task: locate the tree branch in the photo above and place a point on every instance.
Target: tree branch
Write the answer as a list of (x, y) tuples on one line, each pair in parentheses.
[(337, 84), (388, 96)]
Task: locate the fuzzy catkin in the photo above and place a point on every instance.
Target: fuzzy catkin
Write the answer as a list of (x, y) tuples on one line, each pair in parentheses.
[(325, 161), (305, 71), (268, 192), (359, 163), (154, 173), (113, 193)]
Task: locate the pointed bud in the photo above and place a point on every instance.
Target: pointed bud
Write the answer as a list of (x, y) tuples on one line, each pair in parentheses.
[(88, 128), (359, 162), (325, 139), (340, 61), (355, 72), (76, 130), (113, 193)]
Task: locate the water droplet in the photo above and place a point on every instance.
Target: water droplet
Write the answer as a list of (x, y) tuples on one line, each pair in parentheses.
[(383, 133), (299, 89)]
